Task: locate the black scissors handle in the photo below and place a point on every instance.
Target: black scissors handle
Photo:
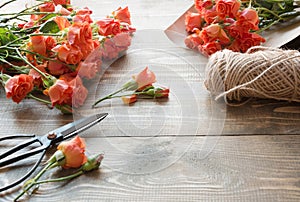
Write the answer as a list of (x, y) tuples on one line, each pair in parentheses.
[(17, 147), (18, 181)]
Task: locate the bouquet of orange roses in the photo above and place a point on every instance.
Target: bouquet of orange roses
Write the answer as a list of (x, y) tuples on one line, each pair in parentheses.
[(52, 49), (234, 24)]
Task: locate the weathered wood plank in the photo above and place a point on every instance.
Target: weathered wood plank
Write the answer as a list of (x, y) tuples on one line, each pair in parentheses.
[(233, 168)]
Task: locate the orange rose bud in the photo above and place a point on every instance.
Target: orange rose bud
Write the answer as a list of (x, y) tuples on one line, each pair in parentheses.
[(129, 99), (73, 151)]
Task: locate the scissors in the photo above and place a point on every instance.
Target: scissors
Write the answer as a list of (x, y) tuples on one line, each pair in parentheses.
[(51, 138)]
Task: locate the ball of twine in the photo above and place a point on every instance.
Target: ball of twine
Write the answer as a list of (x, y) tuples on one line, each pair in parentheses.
[(261, 72)]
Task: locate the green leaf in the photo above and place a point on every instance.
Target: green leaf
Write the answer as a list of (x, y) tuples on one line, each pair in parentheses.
[(6, 36), (49, 27)]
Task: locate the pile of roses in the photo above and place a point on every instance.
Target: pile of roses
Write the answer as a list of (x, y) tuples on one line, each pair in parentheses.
[(55, 49), (233, 24)]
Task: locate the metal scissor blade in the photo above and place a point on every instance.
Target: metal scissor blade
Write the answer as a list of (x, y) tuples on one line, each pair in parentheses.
[(72, 129)]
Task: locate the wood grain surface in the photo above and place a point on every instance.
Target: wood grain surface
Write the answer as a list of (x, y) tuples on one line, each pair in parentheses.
[(185, 148)]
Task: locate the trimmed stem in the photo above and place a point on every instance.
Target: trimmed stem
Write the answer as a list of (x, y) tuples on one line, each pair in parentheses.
[(31, 184), (109, 96), (39, 99), (60, 179)]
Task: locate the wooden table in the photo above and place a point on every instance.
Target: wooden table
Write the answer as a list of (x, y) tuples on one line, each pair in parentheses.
[(185, 148)]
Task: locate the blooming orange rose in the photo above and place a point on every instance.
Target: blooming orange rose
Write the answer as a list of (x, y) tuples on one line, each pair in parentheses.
[(211, 15), (68, 53), (57, 68), (37, 77), (61, 2), (108, 26), (248, 19), (88, 69), (122, 14), (193, 41), (200, 5), (228, 8), (144, 78), (109, 50), (73, 151), (47, 7), (18, 86), (83, 15), (210, 48), (250, 39), (80, 33), (60, 93), (214, 32), (62, 22), (234, 30), (122, 40), (79, 92), (38, 44), (192, 21)]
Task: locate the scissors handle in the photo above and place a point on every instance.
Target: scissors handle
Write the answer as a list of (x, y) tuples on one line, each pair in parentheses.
[(23, 156), (18, 181), (19, 146), (16, 136)]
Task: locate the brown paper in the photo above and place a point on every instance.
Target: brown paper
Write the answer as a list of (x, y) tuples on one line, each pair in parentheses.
[(276, 36)]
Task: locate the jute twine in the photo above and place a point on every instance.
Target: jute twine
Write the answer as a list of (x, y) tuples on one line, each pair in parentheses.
[(262, 72)]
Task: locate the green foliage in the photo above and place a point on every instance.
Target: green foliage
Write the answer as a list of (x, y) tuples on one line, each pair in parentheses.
[(49, 26), (6, 36)]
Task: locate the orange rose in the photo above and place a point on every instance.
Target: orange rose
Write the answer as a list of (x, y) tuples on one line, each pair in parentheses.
[(193, 41), (192, 21), (122, 41), (144, 78), (201, 5), (60, 93), (38, 44), (228, 8), (88, 69), (211, 15), (18, 86), (47, 7), (37, 78), (73, 151), (234, 30), (61, 2), (122, 14), (80, 33), (79, 92), (57, 68), (214, 32), (68, 53), (109, 50), (108, 26), (62, 22), (248, 19), (250, 39), (83, 15), (210, 48)]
